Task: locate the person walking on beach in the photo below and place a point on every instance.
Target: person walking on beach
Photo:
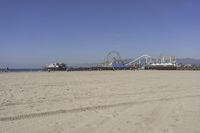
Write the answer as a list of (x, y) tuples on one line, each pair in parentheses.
[(7, 69)]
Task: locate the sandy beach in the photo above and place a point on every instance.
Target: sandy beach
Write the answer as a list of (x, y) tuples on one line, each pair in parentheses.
[(100, 102)]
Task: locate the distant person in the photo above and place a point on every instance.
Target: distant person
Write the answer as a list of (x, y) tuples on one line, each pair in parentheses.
[(113, 68), (6, 69)]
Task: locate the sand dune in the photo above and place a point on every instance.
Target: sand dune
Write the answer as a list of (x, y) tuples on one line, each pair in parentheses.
[(100, 102)]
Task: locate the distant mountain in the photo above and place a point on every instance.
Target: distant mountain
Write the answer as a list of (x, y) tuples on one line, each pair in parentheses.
[(188, 61)]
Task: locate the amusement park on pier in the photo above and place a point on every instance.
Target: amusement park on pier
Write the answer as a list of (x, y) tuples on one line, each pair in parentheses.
[(114, 61)]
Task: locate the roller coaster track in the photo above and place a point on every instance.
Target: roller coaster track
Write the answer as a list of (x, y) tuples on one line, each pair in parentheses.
[(138, 58)]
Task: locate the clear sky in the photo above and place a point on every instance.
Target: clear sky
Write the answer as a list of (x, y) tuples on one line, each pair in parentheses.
[(36, 32)]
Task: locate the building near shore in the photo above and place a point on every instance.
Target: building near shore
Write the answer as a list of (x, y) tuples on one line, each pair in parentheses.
[(56, 67)]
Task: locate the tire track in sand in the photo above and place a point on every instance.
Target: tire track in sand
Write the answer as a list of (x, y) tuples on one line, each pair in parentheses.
[(92, 108)]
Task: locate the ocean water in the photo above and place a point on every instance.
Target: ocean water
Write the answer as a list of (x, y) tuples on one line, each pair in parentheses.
[(21, 70)]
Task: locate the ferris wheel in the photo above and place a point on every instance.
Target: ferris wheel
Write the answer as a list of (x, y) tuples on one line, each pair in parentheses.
[(113, 56)]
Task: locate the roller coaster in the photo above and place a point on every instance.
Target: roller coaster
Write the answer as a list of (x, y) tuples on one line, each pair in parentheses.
[(147, 58)]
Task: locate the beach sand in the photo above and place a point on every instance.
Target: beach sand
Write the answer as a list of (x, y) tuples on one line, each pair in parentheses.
[(100, 102)]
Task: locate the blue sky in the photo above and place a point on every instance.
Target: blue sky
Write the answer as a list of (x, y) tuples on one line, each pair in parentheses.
[(36, 32)]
